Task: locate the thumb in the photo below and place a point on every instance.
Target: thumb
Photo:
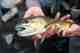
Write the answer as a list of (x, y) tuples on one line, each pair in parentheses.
[(65, 17), (57, 17), (27, 14)]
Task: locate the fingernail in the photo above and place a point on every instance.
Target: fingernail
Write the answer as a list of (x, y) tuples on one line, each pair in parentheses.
[(68, 15)]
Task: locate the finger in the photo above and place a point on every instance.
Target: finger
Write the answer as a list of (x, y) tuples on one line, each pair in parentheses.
[(27, 14), (37, 13), (52, 31), (64, 33), (39, 36), (65, 17), (41, 13), (57, 16), (42, 39), (59, 33), (67, 33)]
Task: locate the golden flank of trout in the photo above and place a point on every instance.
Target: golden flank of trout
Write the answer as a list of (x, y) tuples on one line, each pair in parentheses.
[(61, 25), (44, 22)]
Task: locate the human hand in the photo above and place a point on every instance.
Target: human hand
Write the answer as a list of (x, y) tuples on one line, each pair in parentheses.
[(73, 31), (33, 11)]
